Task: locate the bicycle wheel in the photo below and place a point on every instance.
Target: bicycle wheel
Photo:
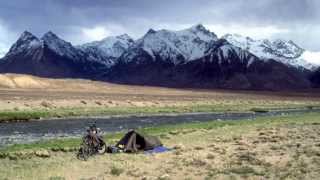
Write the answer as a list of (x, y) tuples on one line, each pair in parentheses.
[(102, 148), (84, 153)]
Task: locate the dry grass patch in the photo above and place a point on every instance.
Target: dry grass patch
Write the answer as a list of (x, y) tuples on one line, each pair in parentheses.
[(235, 151)]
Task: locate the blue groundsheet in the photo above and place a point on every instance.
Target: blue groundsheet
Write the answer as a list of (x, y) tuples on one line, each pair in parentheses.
[(159, 149)]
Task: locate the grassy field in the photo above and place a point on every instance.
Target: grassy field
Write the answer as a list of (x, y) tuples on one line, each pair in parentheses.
[(24, 97), (282, 147)]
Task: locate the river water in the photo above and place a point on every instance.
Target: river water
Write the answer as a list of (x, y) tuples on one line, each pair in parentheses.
[(27, 132)]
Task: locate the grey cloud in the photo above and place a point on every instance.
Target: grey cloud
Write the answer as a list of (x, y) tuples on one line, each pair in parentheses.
[(66, 17), (280, 12)]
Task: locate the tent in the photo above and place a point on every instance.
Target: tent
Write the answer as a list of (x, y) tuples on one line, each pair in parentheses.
[(133, 142)]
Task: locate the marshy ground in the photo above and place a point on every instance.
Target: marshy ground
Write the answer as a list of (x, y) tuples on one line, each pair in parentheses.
[(281, 147)]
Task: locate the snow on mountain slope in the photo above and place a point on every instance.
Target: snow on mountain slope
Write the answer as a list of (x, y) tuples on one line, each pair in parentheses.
[(283, 51), (223, 51), (193, 42), (59, 46), (25, 43), (175, 46), (108, 49)]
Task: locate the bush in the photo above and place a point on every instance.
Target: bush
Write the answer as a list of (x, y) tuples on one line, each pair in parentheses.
[(116, 171), (83, 102), (98, 103), (259, 110), (310, 107), (45, 104)]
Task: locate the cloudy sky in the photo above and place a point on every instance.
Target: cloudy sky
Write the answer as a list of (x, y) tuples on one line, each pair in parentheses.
[(80, 21)]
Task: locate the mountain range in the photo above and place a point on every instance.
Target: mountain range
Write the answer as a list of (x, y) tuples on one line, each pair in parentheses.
[(191, 58)]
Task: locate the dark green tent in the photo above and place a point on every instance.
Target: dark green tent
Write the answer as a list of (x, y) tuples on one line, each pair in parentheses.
[(133, 142)]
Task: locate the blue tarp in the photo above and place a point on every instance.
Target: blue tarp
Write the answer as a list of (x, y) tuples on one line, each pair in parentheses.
[(159, 149)]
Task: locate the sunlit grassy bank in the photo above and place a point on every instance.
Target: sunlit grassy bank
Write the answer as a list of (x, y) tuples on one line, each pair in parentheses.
[(45, 113)]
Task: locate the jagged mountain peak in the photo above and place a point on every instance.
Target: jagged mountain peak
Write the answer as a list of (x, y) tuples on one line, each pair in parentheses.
[(197, 30), (176, 46), (52, 38), (284, 51), (58, 45), (281, 43), (25, 42), (50, 35), (201, 30), (151, 31), (278, 47), (26, 35), (108, 41), (108, 49), (124, 37), (239, 36), (198, 27), (111, 40)]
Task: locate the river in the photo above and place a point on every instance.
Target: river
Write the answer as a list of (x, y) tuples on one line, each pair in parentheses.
[(27, 132)]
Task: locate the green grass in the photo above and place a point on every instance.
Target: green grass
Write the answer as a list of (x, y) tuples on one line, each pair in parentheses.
[(73, 143), (26, 115), (21, 115)]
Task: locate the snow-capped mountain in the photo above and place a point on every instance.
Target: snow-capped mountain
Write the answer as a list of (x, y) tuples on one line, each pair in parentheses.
[(108, 49), (223, 65), (49, 56), (286, 52), (193, 57), (27, 43), (175, 46)]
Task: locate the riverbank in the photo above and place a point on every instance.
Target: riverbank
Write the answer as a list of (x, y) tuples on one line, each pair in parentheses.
[(268, 147), (57, 113), (32, 131)]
